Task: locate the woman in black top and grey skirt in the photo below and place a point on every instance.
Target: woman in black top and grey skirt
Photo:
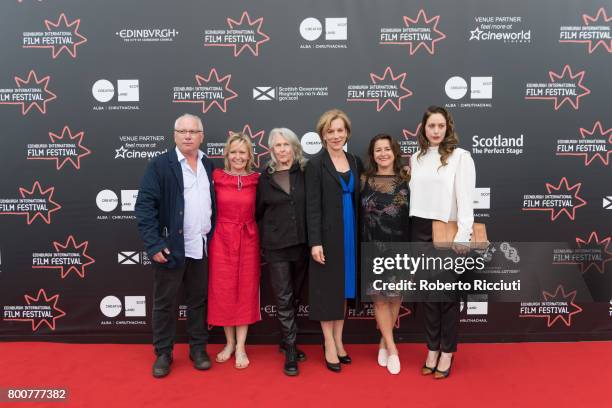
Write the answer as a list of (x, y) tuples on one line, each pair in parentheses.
[(281, 216)]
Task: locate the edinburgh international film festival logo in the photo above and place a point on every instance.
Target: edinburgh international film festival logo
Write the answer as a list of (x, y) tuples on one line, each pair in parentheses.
[(563, 87), (595, 32), (420, 32), (214, 150), (30, 93), (38, 310), (590, 253), (60, 35), (66, 257), (593, 145), (409, 143), (366, 312), (35, 203), (64, 148), (559, 199), (558, 306), (210, 90), (385, 89), (244, 34), (500, 29)]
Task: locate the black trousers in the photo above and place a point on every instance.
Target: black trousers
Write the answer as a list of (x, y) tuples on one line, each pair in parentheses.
[(193, 275), (287, 279), (441, 318)]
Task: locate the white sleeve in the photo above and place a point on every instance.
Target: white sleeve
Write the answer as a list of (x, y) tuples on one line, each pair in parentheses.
[(465, 188)]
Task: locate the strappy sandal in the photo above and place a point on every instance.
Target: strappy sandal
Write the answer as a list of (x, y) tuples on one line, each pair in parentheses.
[(225, 354)]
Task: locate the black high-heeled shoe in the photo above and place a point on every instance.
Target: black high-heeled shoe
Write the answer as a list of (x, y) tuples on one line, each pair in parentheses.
[(440, 375), (345, 359), (430, 370), (335, 367)]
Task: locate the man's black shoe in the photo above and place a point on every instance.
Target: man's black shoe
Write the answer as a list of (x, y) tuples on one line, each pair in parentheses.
[(161, 367), (301, 356), (291, 365), (201, 360)]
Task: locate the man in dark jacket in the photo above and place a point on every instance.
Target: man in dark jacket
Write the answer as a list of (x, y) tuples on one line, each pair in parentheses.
[(176, 214)]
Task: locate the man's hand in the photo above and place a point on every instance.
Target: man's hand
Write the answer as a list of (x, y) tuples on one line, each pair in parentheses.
[(159, 257), (317, 254)]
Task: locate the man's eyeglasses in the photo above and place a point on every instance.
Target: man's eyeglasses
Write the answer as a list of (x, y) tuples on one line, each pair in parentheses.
[(191, 132)]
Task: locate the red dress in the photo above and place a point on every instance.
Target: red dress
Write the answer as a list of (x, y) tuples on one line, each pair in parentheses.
[(234, 269)]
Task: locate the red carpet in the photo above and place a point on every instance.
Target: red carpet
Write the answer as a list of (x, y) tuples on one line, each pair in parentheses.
[(501, 375)]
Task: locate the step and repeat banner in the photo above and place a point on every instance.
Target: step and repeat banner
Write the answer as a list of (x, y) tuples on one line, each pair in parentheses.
[(89, 92)]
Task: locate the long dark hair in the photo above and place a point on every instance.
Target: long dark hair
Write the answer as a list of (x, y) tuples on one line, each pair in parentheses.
[(450, 141), (398, 169)]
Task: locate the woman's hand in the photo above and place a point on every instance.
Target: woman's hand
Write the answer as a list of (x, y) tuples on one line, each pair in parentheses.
[(317, 254)]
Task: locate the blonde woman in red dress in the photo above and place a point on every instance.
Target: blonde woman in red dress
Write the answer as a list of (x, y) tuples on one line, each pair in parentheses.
[(233, 288)]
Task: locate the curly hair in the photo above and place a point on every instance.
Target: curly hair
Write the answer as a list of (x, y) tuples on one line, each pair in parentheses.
[(450, 141)]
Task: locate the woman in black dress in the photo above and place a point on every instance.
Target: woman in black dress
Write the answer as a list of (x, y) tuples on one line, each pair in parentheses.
[(332, 197), (281, 214), (385, 217)]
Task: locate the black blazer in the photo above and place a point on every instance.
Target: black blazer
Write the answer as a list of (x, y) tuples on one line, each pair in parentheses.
[(160, 207), (281, 216), (326, 227)]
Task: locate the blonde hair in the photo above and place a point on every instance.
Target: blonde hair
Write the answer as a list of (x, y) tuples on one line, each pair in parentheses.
[(325, 122), (238, 137)]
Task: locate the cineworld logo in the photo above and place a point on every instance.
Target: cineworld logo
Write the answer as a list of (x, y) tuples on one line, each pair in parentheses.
[(40, 309), (147, 34), (500, 28), (59, 36)]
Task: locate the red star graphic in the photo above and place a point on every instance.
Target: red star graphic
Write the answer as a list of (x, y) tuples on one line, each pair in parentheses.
[(387, 76), (258, 143), (425, 22), (604, 157), (70, 247), (233, 24), (35, 81), (411, 137), (563, 296), (76, 162), (571, 77), (603, 245), (47, 194), (601, 14), (562, 188), (63, 25), (223, 81), (48, 300)]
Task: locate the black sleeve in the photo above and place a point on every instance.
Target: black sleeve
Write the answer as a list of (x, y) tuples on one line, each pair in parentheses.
[(313, 202)]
